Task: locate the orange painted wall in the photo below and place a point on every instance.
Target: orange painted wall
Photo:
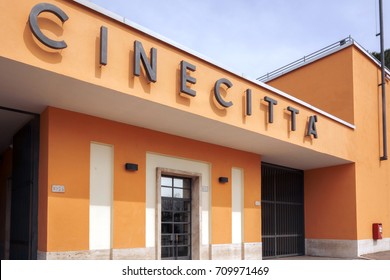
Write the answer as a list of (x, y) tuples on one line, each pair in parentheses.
[(342, 84), (80, 61), (69, 136), (326, 84), (330, 203), (372, 175), (370, 197)]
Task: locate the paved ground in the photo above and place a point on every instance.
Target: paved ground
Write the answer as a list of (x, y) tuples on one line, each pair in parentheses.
[(375, 256), (378, 256)]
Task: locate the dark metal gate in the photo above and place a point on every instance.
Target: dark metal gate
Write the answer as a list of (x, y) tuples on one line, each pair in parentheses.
[(282, 211)]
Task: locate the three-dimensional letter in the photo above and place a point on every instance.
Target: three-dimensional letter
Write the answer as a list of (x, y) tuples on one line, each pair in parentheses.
[(33, 22), (184, 78), (150, 67), (217, 92)]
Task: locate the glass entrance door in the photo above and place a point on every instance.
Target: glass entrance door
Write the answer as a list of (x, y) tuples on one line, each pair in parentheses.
[(175, 218)]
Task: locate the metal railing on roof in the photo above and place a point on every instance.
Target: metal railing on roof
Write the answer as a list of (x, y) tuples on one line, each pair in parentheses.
[(305, 59)]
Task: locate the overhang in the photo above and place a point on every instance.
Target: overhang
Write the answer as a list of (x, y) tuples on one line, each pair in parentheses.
[(32, 89)]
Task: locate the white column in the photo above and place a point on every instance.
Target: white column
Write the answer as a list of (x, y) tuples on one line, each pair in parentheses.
[(101, 195), (237, 205)]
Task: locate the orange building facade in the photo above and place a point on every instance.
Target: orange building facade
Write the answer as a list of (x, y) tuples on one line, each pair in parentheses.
[(119, 144)]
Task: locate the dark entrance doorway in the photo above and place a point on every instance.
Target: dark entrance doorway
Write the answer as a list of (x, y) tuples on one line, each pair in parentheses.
[(282, 211), (175, 218), (21, 193)]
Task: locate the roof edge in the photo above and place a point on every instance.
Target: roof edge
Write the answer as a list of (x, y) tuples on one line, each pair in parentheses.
[(306, 60)]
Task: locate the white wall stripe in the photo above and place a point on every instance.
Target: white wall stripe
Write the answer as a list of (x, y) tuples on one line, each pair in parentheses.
[(101, 189), (237, 205)]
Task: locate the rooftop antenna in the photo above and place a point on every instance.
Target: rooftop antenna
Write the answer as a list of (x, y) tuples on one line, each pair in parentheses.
[(383, 81)]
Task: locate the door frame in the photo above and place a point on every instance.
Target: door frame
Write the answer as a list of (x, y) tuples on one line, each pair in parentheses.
[(196, 209)]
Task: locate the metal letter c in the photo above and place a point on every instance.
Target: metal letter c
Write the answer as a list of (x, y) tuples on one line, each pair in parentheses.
[(217, 93), (33, 21)]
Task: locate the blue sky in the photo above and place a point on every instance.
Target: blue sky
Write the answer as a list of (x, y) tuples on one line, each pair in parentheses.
[(253, 37)]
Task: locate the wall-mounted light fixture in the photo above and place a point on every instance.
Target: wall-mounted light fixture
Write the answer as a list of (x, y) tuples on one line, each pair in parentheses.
[(223, 180), (131, 166)]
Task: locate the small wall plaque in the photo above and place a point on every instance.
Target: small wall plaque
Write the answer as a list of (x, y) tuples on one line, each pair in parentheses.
[(58, 188)]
